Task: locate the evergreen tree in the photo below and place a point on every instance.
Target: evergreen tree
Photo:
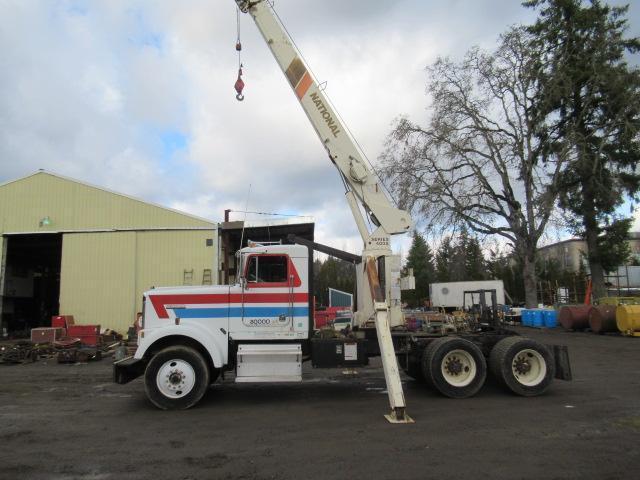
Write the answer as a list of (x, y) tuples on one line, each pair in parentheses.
[(458, 261), (508, 268), (420, 259), (475, 265), (444, 258), (332, 273), (591, 101)]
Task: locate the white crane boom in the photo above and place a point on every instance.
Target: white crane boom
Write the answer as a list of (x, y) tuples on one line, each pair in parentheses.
[(383, 306), (341, 148)]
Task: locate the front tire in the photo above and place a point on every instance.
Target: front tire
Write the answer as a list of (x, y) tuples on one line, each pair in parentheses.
[(176, 378), (454, 366), (523, 365)]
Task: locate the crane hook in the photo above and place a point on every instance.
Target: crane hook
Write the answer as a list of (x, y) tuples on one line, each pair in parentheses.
[(239, 85)]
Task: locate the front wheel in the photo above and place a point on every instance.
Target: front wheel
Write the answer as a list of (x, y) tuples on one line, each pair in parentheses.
[(454, 366), (176, 378), (523, 365)]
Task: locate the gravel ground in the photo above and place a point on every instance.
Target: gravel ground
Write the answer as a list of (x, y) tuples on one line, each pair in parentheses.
[(71, 422)]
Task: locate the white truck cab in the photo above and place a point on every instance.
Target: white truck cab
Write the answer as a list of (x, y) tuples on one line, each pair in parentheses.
[(256, 327), (270, 302)]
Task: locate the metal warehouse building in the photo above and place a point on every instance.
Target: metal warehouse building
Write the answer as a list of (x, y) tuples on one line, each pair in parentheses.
[(70, 248)]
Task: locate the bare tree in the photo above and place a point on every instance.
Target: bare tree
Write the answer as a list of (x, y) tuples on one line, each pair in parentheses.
[(479, 161)]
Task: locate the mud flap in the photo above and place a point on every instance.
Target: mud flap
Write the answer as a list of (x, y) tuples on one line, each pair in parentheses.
[(563, 365), (128, 369)]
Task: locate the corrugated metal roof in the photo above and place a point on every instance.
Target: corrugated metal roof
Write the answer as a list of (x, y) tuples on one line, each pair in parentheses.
[(71, 205)]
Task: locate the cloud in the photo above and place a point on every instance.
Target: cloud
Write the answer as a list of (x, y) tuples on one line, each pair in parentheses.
[(138, 96)]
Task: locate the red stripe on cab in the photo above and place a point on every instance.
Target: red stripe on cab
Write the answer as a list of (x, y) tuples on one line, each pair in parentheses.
[(160, 301)]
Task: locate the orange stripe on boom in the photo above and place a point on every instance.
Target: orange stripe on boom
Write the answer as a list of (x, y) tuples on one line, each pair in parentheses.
[(304, 85)]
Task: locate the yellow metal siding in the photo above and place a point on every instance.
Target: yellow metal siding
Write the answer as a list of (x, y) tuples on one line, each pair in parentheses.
[(97, 281), (162, 258), (105, 274), (75, 206)]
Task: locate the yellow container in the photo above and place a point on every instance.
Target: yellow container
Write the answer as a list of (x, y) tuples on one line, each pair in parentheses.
[(619, 300), (628, 319)]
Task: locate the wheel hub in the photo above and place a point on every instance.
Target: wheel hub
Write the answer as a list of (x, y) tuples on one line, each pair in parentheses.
[(454, 366), (176, 378), (458, 368), (522, 365), (529, 367)]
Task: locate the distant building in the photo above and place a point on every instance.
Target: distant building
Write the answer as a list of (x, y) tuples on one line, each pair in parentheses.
[(569, 254), (70, 248)]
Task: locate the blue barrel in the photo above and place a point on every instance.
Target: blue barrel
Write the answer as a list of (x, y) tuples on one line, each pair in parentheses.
[(537, 319), (550, 318), (526, 317)]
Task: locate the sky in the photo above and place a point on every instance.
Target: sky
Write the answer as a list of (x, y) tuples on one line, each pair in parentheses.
[(137, 96)]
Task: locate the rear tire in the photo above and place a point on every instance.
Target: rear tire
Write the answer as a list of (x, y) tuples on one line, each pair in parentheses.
[(454, 366), (523, 365), (176, 378)]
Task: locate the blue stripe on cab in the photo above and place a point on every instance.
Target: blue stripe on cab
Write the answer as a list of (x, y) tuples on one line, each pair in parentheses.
[(238, 312)]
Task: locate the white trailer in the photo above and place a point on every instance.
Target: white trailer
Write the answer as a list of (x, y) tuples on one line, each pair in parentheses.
[(451, 294)]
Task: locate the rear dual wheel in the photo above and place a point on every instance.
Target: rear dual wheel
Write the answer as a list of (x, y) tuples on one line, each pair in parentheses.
[(523, 365), (455, 367)]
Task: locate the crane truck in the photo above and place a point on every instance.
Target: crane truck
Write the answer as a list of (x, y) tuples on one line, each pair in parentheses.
[(261, 328)]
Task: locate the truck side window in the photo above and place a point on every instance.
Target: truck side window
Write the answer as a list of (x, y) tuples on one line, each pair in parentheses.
[(252, 270), (267, 269)]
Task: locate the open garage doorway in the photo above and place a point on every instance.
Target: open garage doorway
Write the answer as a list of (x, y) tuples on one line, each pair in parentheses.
[(31, 282)]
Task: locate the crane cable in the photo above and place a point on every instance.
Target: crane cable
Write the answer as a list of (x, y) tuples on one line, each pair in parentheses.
[(239, 85)]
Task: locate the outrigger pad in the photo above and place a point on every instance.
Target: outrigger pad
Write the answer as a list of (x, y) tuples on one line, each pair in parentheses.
[(393, 418), (563, 365)]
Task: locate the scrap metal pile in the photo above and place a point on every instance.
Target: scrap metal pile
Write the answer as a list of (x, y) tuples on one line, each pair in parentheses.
[(66, 343), (64, 351)]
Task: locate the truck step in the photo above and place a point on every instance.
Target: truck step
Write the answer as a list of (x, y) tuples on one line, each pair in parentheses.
[(269, 363)]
